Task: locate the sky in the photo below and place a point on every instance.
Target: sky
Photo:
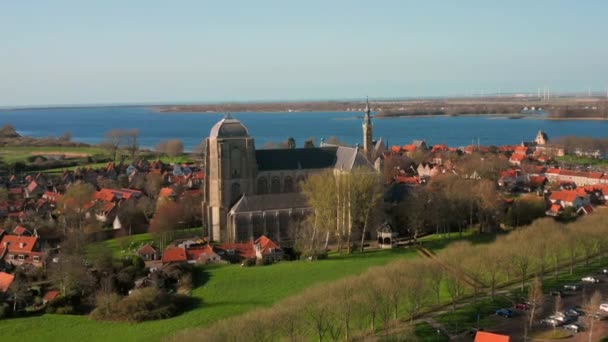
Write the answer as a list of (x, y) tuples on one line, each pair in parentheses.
[(148, 51)]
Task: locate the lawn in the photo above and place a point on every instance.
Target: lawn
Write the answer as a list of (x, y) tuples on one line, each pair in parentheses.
[(571, 159), (224, 291)]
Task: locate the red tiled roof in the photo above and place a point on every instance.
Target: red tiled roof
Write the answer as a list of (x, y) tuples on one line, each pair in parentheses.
[(106, 195), (50, 295), (146, 249), (244, 250), (537, 180), (5, 281), (409, 148), (195, 253), (174, 254), (32, 186), (266, 245), (165, 192), (15, 191), (556, 208), (407, 179), (20, 230), (483, 336), (517, 157), (107, 207), (14, 243), (565, 195)]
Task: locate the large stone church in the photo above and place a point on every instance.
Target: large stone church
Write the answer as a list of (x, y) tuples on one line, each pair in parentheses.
[(251, 192)]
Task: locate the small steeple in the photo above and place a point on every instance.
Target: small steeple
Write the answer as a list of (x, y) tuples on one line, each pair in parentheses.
[(367, 110)]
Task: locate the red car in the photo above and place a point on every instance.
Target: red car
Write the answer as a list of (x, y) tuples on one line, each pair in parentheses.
[(522, 306)]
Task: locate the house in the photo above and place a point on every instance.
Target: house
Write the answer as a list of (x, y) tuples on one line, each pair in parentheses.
[(569, 198), (21, 231), (267, 250), (49, 296), (21, 250), (483, 336), (203, 255), (148, 252), (585, 210), (174, 254), (237, 252), (577, 177), (517, 159), (6, 280)]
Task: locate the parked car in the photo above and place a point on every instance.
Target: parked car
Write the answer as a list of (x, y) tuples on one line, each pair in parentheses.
[(550, 322), (505, 312), (574, 327), (557, 293), (578, 311), (572, 312), (603, 271), (590, 280), (522, 306), (572, 287), (559, 316), (604, 307)]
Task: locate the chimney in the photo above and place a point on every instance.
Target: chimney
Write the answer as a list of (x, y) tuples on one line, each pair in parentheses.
[(21, 244)]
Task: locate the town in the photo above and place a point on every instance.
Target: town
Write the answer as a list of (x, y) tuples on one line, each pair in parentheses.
[(98, 240)]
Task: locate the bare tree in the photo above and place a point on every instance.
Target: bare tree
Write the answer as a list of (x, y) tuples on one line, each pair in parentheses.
[(112, 141), (592, 307), (535, 299)]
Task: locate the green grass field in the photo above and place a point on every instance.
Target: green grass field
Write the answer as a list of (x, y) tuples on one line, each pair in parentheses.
[(15, 154), (224, 291), (571, 159)]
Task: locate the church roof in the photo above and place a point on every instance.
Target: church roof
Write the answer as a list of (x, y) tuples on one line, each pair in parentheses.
[(228, 127), (339, 157), (252, 203), (295, 159)]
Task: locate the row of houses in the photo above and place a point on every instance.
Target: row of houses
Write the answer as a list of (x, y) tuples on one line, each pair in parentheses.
[(202, 252)]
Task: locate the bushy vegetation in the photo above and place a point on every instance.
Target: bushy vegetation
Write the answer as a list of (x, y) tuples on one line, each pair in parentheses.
[(141, 305)]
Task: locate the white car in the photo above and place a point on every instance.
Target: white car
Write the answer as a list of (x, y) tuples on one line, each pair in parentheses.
[(573, 327), (549, 322), (590, 280), (604, 307)]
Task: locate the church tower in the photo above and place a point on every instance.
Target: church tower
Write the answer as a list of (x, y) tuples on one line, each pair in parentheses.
[(367, 131), (230, 169)]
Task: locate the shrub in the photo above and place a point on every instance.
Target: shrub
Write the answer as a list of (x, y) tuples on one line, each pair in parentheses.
[(5, 310), (138, 262), (249, 262), (141, 305)]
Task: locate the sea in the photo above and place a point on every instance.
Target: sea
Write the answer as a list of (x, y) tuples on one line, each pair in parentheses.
[(88, 124)]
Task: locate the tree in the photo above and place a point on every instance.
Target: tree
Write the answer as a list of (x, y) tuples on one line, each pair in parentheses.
[(535, 299), (70, 276), (309, 143), (365, 199), (3, 195), (320, 190), (171, 148), (132, 141), (112, 141), (75, 203), (153, 184), (291, 143), (19, 290), (591, 307), (166, 218)]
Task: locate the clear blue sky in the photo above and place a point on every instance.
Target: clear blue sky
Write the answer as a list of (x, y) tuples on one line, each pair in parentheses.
[(75, 52)]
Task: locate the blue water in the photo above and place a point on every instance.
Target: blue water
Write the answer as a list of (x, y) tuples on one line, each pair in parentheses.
[(89, 124)]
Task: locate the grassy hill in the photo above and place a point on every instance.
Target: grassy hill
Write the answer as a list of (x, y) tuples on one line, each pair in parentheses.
[(224, 291)]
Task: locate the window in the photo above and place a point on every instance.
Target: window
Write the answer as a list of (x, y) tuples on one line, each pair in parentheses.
[(21, 257), (36, 258), (262, 186), (235, 192), (288, 184), (275, 185), (11, 257)]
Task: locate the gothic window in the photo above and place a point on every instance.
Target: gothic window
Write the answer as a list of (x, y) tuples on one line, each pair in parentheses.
[(235, 192), (299, 181), (262, 186), (288, 184), (275, 185)]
